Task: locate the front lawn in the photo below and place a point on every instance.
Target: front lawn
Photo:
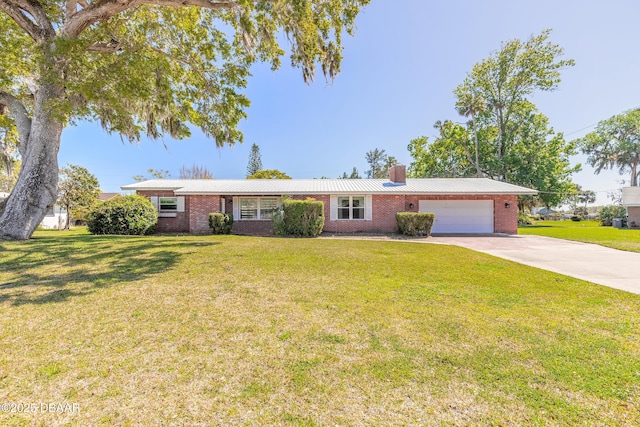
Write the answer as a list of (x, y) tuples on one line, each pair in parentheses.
[(229, 330), (627, 239)]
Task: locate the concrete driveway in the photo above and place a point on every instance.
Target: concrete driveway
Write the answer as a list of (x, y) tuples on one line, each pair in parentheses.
[(593, 263)]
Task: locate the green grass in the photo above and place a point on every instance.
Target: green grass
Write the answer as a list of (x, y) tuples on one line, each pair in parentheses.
[(229, 330), (587, 231)]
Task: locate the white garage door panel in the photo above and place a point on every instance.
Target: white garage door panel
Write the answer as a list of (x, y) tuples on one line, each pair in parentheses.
[(460, 216)]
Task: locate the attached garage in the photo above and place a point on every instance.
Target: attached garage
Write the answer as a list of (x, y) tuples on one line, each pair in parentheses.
[(460, 216)]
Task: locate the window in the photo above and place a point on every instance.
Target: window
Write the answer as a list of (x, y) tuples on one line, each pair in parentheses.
[(260, 208), (268, 207), (351, 207), (168, 203), (249, 208)]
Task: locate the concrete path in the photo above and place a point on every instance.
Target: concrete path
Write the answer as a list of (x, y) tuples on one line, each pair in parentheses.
[(593, 263)]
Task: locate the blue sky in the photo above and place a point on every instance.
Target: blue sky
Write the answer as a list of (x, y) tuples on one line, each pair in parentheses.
[(397, 79)]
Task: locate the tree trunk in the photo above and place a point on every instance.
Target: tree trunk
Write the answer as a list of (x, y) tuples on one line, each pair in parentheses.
[(36, 188)]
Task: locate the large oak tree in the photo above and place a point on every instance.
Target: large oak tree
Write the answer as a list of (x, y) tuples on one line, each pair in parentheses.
[(615, 144), (143, 67)]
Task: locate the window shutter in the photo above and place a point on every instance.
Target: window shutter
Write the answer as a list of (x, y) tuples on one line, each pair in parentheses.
[(180, 203), (154, 200), (333, 208), (236, 209), (368, 207)]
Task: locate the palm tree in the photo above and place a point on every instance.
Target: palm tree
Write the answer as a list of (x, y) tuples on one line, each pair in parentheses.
[(472, 104)]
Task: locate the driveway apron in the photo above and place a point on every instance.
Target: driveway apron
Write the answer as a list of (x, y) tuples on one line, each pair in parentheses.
[(593, 263)]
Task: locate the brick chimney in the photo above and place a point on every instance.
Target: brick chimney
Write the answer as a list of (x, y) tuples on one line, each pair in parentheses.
[(398, 174)]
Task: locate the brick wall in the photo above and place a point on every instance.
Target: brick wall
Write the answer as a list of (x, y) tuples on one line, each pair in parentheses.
[(199, 208), (261, 227), (177, 224), (195, 219), (385, 208)]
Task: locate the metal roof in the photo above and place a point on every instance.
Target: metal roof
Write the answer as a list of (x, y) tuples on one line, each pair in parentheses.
[(241, 187)]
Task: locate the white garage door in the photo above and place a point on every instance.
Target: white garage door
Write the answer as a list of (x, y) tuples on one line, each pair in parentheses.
[(460, 216)]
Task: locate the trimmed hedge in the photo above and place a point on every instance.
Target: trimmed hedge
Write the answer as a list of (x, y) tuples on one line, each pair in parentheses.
[(123, 215), (415, 223), (302, 218), (220, 223)]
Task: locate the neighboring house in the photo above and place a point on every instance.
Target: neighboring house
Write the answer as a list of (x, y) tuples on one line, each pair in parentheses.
[(461, 205), (103, 197), (545, 213), (56, 218), (631, 201)]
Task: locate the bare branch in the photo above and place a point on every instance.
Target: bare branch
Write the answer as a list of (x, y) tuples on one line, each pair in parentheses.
[(19, 114)]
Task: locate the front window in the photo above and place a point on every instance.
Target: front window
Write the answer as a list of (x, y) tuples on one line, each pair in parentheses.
[(258, 208), (351, 207), (268, 207), (168, 204), (249, 208)]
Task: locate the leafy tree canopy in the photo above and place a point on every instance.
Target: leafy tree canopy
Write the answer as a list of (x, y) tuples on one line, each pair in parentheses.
[(615, 144), (153, 174), (269, 174), (513, 140), (379, 163), (78, 190), (353, 175), (140, 68), (144, 67)]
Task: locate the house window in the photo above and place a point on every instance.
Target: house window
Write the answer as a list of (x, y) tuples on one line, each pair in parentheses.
[(249, 208), (260, 208), (268, 207), (168, 204), (351, 207)]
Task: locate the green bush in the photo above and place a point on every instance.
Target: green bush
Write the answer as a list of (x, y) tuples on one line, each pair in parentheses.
[(608, 213), (524, 219), (415, 223), (123, 215), (302, 218), (220, 223), (576, 218)]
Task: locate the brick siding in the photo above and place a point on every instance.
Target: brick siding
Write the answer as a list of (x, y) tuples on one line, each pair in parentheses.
[(195, 219)]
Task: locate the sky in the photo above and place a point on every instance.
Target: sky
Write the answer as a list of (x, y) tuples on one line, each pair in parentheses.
[(397, 78)]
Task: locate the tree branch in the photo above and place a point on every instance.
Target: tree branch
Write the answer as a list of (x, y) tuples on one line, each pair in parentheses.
[(34, 8), (24, 22), (103, 10), (19, 114)]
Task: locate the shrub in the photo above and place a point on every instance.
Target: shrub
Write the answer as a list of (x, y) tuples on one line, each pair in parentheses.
[(415, 223), (303, 218), (608, 213), (220, 223), (123, 215), (576, 218), (524, 219)]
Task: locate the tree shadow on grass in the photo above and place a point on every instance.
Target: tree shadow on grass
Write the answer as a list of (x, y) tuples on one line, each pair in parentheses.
[(54, 269)]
